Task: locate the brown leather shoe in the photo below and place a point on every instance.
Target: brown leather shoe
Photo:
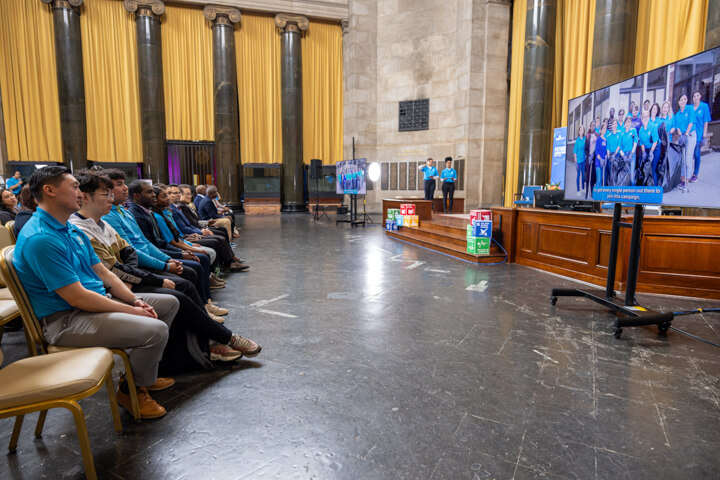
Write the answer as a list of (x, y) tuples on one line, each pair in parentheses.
[(238, 267), (161, 384), (149, 408)]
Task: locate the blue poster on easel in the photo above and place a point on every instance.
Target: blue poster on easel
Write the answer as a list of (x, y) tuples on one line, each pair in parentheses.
[(557, 171)]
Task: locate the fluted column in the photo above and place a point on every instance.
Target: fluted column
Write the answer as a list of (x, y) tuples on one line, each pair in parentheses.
[(227, 134), (150, 83), (712, 28), (71, 86), (613, 42), (291, 28), (538, 66)]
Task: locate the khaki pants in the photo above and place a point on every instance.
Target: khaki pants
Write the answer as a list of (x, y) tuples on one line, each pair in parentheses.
[(226, 224)]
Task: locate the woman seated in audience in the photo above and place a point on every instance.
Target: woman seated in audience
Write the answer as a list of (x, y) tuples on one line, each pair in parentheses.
[(8, 206), (27, 208)]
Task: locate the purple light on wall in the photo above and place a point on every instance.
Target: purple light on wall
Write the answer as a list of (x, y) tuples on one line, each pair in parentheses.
[(174, 165)]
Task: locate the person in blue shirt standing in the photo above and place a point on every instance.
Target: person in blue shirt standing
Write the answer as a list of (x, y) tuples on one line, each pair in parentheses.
[(621, 121), (702, 117), (684, 124), (628, 145), (600, 156), (649, 145), (14, 183), (430, 175), (78, 300), (448, 177), (613, 150), (579, 151)]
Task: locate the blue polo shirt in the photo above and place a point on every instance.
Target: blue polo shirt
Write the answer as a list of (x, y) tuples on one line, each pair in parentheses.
[(667, 121), (448, 175), (579, 149), (13, 184), (627, 140), (429, 172), (149, 256), (683, 118), (702, 116), (613, 141), (648, 135), (49, 256)]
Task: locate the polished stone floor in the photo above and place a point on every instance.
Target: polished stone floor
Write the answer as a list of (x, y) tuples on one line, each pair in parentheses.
[(382, 360)]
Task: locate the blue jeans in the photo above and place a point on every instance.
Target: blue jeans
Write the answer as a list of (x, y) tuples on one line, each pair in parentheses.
[(580, 169), (698, 145)]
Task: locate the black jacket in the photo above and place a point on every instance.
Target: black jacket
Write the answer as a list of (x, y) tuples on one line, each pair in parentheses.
[(148, 225)]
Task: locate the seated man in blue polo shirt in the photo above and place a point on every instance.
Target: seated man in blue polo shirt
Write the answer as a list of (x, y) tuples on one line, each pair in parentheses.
[(79, 302)]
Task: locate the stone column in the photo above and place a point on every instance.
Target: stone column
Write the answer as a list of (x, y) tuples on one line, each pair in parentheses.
[(228, 177), (538, 66), (71, 85), (712, 29), (613, 42), (150, 83), (291, 28)]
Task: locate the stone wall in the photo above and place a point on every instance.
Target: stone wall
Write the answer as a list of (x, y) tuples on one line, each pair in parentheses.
[(452, 52)]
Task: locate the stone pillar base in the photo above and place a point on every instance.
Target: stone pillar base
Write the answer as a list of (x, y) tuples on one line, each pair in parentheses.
[(294, 208)]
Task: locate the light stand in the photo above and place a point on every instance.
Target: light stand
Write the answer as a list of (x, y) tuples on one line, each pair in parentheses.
[(316, 214)]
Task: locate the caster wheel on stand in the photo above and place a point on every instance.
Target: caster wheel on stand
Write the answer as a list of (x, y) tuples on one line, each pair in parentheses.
[(553, 300), (663, 328), (617, 332)]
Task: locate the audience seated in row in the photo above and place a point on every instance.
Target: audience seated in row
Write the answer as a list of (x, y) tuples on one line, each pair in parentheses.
[(92, 284)]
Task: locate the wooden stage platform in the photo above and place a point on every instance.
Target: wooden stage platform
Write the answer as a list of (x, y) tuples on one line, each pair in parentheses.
[(679, 255), (446, 234)]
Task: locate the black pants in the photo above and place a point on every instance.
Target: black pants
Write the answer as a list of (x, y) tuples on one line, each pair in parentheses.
[(221, 247), (448, 190), (429, 186)]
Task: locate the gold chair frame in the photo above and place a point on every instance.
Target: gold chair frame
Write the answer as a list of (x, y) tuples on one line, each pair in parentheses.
[(10, 225), (71, 404), (34, 329)]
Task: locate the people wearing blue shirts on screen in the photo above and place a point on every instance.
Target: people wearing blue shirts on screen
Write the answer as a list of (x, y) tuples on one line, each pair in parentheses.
[(448, 177), (649, 144), (598, 125), (654, 112), (684, 124), (621, 121), (613, 150), (636, 122), (665, 118), (579, 151), (702, 117), (628, 144), (14, 183), (430, 175), (600, 156)]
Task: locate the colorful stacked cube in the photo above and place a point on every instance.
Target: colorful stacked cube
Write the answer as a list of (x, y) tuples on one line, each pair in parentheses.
[(411, 221), (391, 222), (480, 215), (479, 236), (407, 209)]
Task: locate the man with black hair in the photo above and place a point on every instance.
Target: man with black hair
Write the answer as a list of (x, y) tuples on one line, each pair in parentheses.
[(79, 302), (117, 255)]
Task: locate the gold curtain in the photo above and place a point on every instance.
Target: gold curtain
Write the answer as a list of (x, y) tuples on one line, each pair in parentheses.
[(112, 101), (257, 51), (574, 29), (515, 104), (322, 85), (28, 81), (668, 30), (187, 74)]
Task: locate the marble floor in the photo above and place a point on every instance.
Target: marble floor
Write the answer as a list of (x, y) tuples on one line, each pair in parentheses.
[(382, 360)]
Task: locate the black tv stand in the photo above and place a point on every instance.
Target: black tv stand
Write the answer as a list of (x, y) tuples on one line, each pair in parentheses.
[(630, 314)]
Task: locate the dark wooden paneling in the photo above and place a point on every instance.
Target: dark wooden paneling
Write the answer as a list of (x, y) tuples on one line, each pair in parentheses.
[(679, 255), (564, 242)]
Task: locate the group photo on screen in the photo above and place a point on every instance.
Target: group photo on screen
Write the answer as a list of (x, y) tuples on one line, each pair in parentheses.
[(351, 176), (652, 139)]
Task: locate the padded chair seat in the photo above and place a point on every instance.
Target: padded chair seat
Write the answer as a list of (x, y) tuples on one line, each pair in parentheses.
[(8, 308), (5, 294), (52, 376)]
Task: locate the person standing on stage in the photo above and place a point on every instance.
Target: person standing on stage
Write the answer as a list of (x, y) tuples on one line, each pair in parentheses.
[(430, 175), (448, 177), (579, 151), (702, 117), (684, 124)]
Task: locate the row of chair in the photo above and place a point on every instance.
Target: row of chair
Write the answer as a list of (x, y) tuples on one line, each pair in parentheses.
[(60, 376)]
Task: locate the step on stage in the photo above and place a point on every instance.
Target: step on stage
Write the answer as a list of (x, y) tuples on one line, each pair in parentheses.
[(441, 233)]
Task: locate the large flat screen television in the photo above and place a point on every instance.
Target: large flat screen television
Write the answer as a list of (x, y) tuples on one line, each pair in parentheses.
[(649, 139), (351, 176)]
